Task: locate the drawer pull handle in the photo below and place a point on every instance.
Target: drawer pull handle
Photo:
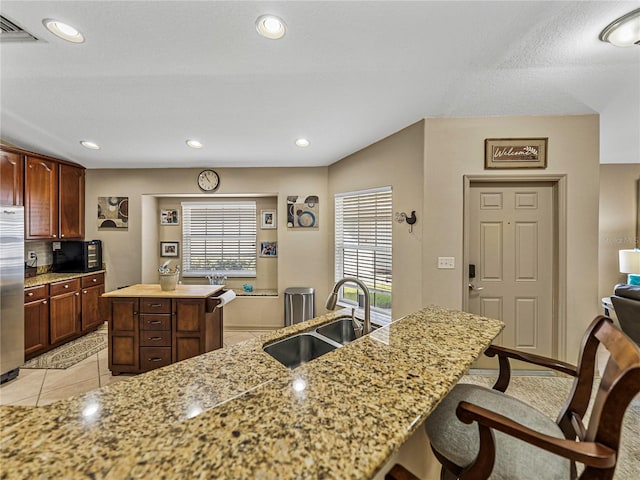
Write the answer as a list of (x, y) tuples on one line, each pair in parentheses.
[(84, 291), (154, 322), (44, 302), (155, 305), (66, 286), (94, 280), (30, 294), (155, 339), (155, 359), (77, 294)]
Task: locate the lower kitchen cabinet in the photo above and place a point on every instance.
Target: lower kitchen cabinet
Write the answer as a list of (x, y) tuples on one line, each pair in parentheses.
[(59, 312), (36, 320), (147, 333)]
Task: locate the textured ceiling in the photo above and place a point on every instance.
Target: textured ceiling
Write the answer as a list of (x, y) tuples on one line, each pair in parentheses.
[(153, 73)]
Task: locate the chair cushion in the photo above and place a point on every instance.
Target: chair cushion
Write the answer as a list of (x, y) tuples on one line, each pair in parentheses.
[(458, 441)]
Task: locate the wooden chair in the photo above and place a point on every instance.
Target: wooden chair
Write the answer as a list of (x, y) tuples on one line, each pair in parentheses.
[(514, 440)]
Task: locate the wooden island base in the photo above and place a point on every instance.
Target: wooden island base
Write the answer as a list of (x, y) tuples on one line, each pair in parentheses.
[(150, 328)]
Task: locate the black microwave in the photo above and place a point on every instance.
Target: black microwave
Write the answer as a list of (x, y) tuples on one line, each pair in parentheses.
[(77, 257)]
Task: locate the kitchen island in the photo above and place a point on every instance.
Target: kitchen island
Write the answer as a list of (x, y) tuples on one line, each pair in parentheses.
[(150, 327), (238, 413)]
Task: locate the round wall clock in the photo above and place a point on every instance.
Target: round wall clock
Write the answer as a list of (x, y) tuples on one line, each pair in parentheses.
[(208, 180)]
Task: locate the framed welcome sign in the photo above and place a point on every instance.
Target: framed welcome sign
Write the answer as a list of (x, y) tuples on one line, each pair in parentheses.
[(515, 152)]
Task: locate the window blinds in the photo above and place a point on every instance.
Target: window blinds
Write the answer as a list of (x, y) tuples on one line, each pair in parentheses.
[(219, 237), (363, 241)]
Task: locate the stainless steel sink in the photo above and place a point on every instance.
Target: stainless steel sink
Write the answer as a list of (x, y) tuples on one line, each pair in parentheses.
[(340, 331), (298, 349)]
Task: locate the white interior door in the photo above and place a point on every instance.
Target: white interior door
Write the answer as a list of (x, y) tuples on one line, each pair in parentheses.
[(511, 244)]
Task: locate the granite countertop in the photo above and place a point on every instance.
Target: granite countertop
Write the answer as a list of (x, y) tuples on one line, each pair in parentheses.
[(237, 413), (154, 291), (46, 278), (256, 292)]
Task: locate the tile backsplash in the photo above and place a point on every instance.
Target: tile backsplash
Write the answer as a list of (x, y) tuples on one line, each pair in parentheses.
[(43, 251)]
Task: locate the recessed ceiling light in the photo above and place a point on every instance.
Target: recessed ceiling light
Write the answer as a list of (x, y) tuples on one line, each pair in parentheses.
[(194, 143), (623, 32), (302, 142), (63, 30), (90, 145), (270, 26)]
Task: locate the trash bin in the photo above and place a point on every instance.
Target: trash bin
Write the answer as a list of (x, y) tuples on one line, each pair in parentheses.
[(298, 305)]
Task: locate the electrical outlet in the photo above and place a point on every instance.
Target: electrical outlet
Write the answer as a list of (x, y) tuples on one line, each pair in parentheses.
[(446, 262), (32, 255)]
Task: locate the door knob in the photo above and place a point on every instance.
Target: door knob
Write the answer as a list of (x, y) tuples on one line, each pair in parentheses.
[(473, 287)]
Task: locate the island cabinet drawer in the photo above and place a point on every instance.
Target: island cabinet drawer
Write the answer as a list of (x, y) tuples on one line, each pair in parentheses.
[(155, 338), (35, 293), (155, 305), (91, 280), (154, 357), (155, 322), (65, 286)]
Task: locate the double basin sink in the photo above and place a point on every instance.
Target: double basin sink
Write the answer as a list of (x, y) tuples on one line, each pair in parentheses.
[(303, 347)]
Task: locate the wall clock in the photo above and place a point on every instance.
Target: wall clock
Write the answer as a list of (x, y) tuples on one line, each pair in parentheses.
[(208, 180)]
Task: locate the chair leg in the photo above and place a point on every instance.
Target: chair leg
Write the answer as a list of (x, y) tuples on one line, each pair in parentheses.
[(446, 474), (398, 472)]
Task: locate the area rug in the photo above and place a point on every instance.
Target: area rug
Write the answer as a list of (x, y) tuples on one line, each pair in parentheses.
[(548, 394), (73, 352)]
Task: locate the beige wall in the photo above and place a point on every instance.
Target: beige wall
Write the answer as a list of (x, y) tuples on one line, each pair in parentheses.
[(617, 220), (301, 260), (396, 161), (455, 147)]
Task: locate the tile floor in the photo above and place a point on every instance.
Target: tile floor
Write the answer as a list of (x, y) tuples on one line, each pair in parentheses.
[(38, 387)]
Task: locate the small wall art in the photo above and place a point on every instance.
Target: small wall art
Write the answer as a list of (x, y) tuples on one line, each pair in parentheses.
[(502, 153), (268, 219), (169, 249), (303, 211), (113, 212), (169, 217), (268, 249)]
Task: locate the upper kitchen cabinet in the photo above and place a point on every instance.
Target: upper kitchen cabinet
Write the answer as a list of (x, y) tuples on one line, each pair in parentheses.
[(71, 206), (53, 199), (11, 177), (41, 199)]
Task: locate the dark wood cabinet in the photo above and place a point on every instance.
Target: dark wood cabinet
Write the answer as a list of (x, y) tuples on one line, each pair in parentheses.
[(147, 333), (64, 310), (124, 351), (36, 320), (92, 290), (11, 178), (41, 199), (71, 202)]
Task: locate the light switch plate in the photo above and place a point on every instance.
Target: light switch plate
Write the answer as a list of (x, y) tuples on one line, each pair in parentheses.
[(446, 262)]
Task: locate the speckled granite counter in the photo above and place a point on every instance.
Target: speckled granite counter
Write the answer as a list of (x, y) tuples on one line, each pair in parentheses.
[(237, 413), (46, 278), (262, 292)]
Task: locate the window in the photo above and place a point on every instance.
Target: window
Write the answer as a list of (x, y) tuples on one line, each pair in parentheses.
[(219, 237), (363, 245)]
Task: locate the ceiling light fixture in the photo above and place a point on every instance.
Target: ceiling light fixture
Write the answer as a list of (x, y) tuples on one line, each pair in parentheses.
[(302, 142), (194, 143), (623, 32), (270, 26), (90, 145), (63, 30)]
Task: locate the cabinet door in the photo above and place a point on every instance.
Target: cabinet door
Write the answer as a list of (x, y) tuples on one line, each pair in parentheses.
[(90, 307), (11, 178), (41, 199), (124, 345), (64, 316), (189, 323), (36, 327), (71, 207)]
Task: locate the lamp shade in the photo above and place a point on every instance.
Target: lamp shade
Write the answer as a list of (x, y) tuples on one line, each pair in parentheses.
[(629, 260)]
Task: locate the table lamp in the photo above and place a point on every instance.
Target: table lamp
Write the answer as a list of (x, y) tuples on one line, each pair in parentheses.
[(630, 259), (630, 264)]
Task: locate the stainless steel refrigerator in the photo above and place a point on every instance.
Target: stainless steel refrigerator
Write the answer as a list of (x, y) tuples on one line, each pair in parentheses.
[(11, 291)]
